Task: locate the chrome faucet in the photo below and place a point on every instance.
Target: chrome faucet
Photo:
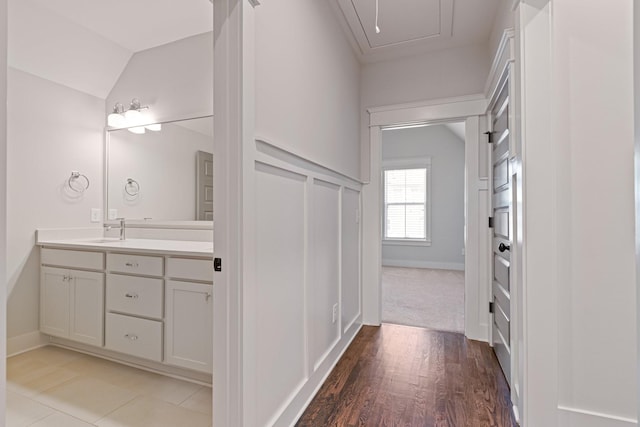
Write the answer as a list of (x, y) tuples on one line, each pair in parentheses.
[(122, 228)]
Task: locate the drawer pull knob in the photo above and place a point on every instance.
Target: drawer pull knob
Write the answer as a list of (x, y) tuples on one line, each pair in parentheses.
[(132, 264), (132, 337), (134, 296)]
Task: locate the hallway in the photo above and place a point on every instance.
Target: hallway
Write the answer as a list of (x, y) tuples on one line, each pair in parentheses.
[(399, 375)]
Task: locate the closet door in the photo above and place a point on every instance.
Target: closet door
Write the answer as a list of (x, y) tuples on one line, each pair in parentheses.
[(501, 207)]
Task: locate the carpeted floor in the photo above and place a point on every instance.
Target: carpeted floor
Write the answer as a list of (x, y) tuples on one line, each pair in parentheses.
[(423, 297)]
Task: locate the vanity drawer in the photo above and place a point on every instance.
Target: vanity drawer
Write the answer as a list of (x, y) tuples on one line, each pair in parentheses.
[(141, 296), (77, 259), (194, 269), (134, 336), (135, 264)]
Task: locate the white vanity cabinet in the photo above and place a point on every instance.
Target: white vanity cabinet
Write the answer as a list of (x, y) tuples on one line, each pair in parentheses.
[(189, 314), (71, 300), (152, 306)]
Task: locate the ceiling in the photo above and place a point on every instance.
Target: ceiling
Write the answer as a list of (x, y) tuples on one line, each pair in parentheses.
[(408, 27), (86, 44), (140, 24)]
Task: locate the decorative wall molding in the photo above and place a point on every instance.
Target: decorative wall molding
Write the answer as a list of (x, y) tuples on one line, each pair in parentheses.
[(574, 417), (279, 152), (505, 54), (422, 264), (444, 109), (305, 244)]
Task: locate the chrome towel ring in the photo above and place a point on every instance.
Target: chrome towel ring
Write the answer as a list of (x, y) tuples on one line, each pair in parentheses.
[(132, 187), (78, 182)]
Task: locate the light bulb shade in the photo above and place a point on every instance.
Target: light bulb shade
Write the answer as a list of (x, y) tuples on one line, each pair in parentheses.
[(156, 127), (133, 117), (139, 130), (116, 120)]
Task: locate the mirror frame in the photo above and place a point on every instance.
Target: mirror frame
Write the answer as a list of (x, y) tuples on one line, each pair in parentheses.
[(153, 223)]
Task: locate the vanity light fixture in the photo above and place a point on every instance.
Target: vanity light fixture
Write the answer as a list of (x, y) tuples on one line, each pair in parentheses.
[(121, 118), (116, 118)]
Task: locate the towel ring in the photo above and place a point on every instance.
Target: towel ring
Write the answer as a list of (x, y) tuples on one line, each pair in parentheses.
[(132, 187), (82, 182)]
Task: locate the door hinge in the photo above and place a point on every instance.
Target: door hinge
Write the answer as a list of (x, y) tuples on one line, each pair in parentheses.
[(490, 222), (489, 136), (217, 264), (490, 307)]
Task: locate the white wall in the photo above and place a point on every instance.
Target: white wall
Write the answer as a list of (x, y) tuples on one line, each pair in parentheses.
[(301, 231), (175, 80), (164, 165), (52, 130), (597, 304), (446, 151), (434, 75), (307, 84), (580, 279)]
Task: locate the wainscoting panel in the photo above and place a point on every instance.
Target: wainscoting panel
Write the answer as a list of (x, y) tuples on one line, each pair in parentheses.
[(305, 261), (280, 246), (325, 292), (350, 295)]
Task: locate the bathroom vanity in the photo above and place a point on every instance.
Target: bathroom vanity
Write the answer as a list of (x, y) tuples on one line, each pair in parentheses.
[(146, 302)]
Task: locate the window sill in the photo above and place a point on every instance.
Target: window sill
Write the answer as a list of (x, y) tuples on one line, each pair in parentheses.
[(407, 242)]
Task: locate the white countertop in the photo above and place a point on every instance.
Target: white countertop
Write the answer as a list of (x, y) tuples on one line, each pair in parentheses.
[(179, 247)]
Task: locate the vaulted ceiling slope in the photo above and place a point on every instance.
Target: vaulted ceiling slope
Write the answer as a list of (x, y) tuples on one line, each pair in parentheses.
[(85, 45), (409, 27)]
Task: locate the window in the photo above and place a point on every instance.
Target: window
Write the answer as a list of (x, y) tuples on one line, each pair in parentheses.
[(406, 203)]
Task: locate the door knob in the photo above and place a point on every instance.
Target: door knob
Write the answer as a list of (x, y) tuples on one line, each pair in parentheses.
[(504, 247)]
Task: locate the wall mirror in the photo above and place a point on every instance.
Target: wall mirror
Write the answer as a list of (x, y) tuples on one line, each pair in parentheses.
[(163, 174)]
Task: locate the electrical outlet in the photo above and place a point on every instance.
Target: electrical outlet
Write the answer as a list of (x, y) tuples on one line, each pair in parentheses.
[(113, 213), (335, 313), (96, 215)]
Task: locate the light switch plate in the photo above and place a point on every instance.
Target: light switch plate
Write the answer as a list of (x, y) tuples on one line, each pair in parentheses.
[(96, 215), (113, 213)]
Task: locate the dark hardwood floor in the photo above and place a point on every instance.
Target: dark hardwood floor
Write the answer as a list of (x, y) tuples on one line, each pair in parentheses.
[(404, 376)]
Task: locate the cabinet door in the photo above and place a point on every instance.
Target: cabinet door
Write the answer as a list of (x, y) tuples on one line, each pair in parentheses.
[(87, 307), (189, 325), (54, 301)]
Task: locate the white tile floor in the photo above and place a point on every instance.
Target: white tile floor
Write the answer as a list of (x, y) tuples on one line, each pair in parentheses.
[(55, 387)]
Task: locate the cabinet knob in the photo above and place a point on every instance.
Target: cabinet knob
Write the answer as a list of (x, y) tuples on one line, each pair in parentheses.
[(132, 264), (132, 337), (133, 296)]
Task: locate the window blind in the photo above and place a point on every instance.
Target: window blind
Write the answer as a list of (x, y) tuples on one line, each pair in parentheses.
[(405, 193)]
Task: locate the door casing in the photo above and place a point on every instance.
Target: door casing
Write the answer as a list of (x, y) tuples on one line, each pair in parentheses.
[(469, 109)]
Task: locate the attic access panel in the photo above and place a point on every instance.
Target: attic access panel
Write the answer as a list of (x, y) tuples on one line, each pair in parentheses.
[(402, 22)]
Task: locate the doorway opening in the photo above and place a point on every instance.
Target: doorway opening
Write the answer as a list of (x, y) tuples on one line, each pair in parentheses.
[(423, 193)]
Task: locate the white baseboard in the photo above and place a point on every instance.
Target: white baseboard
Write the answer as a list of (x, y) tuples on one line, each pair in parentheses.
[(25, 342), (573, 417), (423, 264)]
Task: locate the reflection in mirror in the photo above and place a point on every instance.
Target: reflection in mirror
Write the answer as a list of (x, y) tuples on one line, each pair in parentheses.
[(162, 175)]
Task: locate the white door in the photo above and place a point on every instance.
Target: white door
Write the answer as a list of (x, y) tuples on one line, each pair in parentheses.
[(189, 325), (204, 184), (86, 322), (54, 301), (502, 233)]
